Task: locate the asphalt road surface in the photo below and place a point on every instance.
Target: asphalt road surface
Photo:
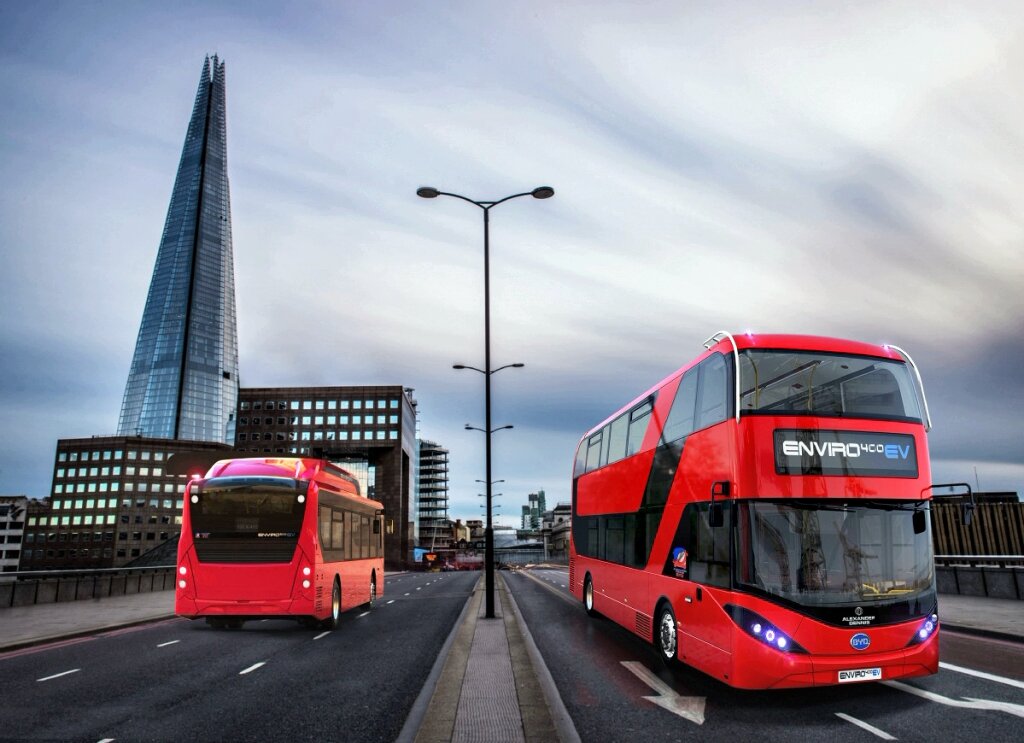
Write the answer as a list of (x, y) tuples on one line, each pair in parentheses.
[(603, 673), (272, 680)]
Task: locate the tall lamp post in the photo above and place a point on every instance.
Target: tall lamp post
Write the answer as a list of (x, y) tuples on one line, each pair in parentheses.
[(541, 192)]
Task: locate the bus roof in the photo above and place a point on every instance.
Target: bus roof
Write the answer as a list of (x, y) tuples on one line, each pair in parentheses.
[(299, 468), (748, 340)]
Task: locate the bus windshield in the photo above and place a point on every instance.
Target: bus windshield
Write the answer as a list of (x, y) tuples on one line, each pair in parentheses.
[(247, 519), (823, 384), (822, 553)]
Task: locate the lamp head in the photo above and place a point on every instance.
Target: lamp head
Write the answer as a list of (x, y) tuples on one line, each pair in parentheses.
[(541, 192), (429, 192)]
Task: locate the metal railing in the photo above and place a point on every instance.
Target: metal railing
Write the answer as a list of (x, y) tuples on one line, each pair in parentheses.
[(986, 561)]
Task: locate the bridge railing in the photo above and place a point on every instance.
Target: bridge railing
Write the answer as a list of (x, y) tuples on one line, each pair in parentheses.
[(30, 587), (995, 576)]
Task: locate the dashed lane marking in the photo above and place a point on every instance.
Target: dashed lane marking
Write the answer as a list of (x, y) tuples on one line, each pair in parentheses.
[(252, 668), (165, 644), (865, 726), (322, 634), (393, 601), (987, 704), (362, 615), (982, 675), (58, 675)]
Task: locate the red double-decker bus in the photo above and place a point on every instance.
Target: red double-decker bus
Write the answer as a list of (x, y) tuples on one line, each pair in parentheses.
[(762, 514), (290, 538)]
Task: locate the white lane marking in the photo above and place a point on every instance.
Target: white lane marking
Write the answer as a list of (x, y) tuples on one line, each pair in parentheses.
[(322, 634), (419, 588), (393, 601), (252, 668), (106, 740), (982, 675), (689, 708), (987, 704), (165, 644), (864, 726), (362, 615), (406, 594), (562, 585), (58, 675)]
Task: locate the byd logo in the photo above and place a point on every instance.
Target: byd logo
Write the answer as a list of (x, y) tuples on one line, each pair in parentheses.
[(860, 641), (852, 450)]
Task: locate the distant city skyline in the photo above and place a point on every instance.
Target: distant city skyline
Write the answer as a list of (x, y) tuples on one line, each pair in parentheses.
[(851, 171)]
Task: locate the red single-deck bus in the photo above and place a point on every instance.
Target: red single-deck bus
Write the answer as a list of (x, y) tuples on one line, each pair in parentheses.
[(286, 538), (762, 514)]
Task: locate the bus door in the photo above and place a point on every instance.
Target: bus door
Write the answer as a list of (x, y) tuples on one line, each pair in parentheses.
[(705, 628)]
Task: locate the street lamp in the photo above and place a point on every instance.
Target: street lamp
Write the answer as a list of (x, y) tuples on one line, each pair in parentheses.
[(541, 192)]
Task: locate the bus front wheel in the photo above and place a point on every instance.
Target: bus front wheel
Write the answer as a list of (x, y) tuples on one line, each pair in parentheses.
[(588, 597), (666, 636), (332, 619)]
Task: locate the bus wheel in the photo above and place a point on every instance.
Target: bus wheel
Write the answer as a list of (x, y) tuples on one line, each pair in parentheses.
[(588, 597), (332, 621), (373, 592), (666, 639)]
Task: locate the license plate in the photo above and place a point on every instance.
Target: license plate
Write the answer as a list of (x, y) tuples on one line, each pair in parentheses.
[(860, 674)]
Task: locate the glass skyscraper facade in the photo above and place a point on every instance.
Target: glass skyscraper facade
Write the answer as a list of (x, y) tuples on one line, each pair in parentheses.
[(183, 382)]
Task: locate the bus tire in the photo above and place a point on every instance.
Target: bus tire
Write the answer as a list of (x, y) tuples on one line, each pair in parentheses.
[(588, 597), (373, 592), (331, 623), (666, 634)]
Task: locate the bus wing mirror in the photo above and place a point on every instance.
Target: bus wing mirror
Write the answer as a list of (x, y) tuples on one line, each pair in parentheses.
[(967, 504), (715, 518), (919, 522)]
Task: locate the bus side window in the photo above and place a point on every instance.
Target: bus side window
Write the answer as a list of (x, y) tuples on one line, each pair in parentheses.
[(594, 452), (617, 438), (639, 417), (325, 529), (714, 391), (680, 418), (338, 531), (581, 459)]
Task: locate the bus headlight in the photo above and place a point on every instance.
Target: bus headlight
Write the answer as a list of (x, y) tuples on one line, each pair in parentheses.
[(305, 584), (761, 629), (183, 570), (181, 584), (306, 570), (925, 630)]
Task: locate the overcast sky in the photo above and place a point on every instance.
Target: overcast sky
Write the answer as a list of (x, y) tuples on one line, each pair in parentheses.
[(848, 169)]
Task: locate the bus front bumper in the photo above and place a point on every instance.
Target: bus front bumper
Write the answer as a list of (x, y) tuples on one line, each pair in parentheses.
[(756, 666)]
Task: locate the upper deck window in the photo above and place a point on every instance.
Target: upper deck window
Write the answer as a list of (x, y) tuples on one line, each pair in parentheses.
[(824, 384)]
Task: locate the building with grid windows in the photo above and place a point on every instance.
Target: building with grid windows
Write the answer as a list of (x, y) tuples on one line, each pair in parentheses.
[(368, 430), (183, 381), (112, 500), (434, 527), (13, 511)]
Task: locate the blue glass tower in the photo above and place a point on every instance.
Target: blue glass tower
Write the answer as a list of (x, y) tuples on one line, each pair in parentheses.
[(183, 382)]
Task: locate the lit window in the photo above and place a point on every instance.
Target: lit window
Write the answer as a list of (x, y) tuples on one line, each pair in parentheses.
[(319, 404), (380, 435), (60, 473), (380, 420), (343, 420), (90, 503), (332, 404), (392, 435), (369, 404), (357, 404), (105, 472), (294, 405), (356, 436), (318, 420), (392, 419), (104, 487), (74, 456), (307, 420), (394, 404), (145, 455), (133, 454), (344, 404), (58, 488), (307, 404), (342, 435), (62, 457), (357, 420)]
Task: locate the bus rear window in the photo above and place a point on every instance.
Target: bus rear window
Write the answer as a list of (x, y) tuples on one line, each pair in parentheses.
[(830, 385)]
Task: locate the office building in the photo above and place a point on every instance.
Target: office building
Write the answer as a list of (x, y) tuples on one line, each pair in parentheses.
[(13, 512), (434, 527), (183, 381), (368, 430), (112, 499)]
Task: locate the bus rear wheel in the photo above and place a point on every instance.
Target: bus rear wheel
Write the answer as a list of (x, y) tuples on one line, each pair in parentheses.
[(331, 622), (588, 597), (666, 636), (373, 593)]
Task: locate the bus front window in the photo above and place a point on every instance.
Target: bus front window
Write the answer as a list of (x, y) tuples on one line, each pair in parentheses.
[(822, 553)]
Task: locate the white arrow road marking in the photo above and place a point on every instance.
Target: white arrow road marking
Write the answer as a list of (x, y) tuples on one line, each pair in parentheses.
[(689, 708), (863, 725), (1008, 707)]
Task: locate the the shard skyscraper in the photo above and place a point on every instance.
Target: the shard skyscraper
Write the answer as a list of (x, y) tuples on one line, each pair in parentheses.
[(183, 382)]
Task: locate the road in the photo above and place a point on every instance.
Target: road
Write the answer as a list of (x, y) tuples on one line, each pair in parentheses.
[(272, 680), (599, 670)]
